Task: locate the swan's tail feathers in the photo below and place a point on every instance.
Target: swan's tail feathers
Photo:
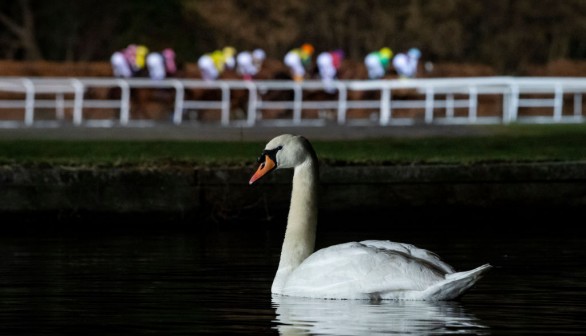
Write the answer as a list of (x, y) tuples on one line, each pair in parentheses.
[(456, 284)]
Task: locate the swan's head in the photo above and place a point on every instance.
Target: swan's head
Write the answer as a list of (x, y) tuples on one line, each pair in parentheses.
[(284, 151)]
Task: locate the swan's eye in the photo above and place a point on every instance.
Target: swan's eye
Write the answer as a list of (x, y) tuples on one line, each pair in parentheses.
[(272, 153)]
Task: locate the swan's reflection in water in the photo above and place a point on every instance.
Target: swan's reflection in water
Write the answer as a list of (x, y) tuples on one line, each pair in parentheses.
[(301, 316)]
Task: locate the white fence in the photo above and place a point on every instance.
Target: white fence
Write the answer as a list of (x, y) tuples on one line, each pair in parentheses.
[(384, 102)]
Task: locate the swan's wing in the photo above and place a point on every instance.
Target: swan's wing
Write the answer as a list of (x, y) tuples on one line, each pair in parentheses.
[(412, 250), (455, 284), (359, 271)]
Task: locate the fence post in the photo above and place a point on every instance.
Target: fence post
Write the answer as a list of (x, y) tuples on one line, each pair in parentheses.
[(449, 106), (297, 103), (429, 100), (513, 104), (29, 110), (252, 103), (124, 101), (558, 102), (179, 98), (385, 106), (225, 103), (342, 102), (577, 105), (78, 101), (472, 104)]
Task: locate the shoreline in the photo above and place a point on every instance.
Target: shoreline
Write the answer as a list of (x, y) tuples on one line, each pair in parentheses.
[(224, 194)]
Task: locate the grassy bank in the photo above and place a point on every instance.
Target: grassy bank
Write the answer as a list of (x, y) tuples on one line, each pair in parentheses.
[(505, 143)]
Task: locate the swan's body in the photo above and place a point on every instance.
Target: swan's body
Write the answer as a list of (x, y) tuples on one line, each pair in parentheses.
[(371, 269)]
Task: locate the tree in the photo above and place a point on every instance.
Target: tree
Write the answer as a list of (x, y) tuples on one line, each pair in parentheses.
[(271, 25), (505, 34), (22, 30)]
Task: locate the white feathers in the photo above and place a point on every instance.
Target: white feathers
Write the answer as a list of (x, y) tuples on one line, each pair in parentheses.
[(371, 269)]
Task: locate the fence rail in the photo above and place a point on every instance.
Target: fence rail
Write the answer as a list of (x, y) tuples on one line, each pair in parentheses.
[(471, 100)]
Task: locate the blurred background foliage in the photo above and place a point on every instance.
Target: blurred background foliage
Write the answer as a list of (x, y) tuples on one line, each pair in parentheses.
[(504, 34)]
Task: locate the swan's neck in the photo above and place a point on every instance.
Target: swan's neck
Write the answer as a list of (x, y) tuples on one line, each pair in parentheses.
[(299, 240)]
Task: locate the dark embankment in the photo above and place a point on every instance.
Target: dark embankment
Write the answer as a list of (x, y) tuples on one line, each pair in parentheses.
[(360, 196)]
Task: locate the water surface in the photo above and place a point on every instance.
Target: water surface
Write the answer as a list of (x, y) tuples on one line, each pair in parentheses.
[(185, 282)]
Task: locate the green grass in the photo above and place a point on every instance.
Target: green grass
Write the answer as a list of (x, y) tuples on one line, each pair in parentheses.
[(505, 143), (126, 152), (515, 143)]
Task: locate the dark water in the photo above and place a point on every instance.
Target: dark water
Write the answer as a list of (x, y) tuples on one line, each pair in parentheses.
[(183, 282)]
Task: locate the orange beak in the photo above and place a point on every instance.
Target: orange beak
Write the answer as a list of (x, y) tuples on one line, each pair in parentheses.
[(263, 169)]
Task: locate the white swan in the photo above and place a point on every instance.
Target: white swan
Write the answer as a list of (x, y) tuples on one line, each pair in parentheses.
[(371, 269)]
